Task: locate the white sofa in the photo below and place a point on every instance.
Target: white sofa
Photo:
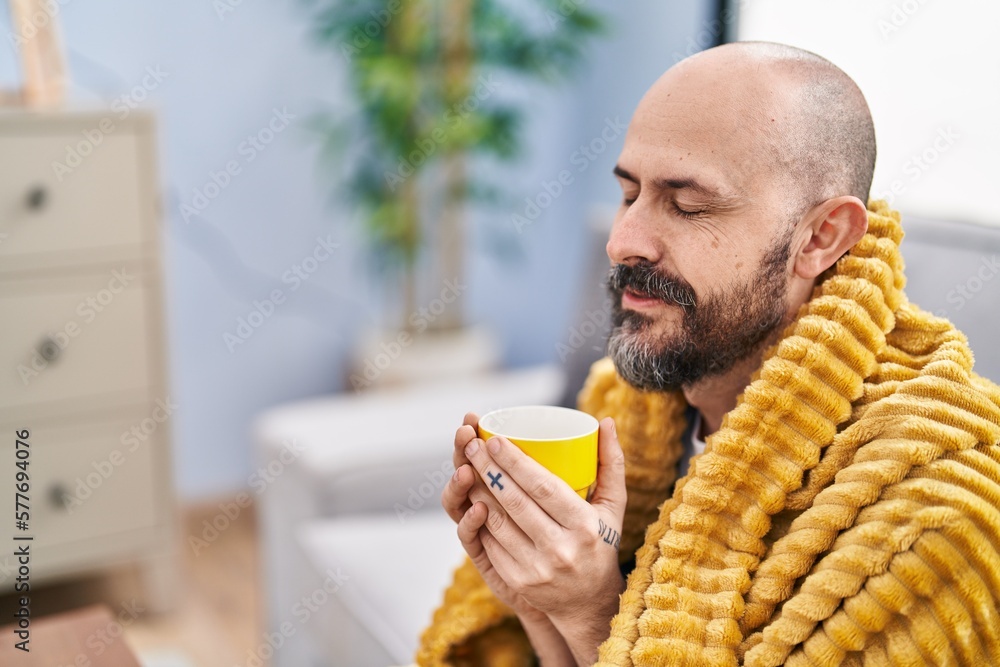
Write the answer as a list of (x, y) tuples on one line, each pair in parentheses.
[(356, 550)]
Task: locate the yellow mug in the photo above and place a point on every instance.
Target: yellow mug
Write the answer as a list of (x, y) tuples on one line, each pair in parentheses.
[(563, 440)]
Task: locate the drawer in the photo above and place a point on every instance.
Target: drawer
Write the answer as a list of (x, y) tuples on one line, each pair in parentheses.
[(70, 339), (81, 490), (52, 217)]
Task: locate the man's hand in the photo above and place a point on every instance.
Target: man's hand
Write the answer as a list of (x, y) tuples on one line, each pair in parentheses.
[(470, 519), (455, 497), (552, 550)]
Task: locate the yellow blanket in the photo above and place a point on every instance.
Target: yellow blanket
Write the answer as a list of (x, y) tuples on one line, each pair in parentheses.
[(846, 512)]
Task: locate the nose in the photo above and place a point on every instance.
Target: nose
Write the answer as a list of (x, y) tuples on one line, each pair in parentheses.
[(633, 238)]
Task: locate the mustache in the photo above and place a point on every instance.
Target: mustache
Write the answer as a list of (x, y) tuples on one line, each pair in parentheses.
[(645, 278)]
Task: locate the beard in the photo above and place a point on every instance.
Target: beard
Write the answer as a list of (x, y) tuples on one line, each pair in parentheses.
[(715, 334)]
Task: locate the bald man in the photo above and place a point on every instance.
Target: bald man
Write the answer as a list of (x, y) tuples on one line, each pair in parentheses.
[(754, 308)]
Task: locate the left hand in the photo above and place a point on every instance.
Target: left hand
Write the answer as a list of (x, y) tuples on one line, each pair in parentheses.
[(552, 547)]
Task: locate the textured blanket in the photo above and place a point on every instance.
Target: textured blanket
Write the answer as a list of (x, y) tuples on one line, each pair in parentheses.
[(846, 512)]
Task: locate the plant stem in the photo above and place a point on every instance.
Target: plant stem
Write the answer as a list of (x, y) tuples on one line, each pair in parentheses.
[(457, 54), (401, 37), (408, 272)]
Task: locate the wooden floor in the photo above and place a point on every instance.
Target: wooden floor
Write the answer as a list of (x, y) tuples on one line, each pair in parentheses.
[(219, 613)]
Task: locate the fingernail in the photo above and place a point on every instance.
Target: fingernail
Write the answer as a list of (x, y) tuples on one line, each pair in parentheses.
[(455, 476), (493, 444), (472, 447)]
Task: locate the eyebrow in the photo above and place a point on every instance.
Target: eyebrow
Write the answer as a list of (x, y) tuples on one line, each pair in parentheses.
[(687, 183)]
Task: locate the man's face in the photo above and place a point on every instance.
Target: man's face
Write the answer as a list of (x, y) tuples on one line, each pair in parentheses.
[(701, 242)]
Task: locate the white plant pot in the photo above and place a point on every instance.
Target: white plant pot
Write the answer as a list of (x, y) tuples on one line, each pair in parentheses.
[(393, 358)]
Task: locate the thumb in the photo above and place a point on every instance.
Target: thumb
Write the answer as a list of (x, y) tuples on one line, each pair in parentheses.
[(610, 490)]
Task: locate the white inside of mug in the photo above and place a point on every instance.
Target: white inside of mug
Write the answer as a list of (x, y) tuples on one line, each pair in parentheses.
[(538, 422)]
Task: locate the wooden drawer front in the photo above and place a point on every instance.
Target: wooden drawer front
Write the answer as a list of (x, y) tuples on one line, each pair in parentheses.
[(56, 345), (52, 218), (79, 489)]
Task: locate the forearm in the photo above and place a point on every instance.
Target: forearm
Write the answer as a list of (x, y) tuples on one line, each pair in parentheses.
[(549, 645), (583, 636), (582, 641)]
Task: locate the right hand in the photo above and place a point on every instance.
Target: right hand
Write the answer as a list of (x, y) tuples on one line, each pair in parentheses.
[(456, 499)]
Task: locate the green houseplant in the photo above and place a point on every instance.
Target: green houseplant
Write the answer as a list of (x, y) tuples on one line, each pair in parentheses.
[(423, 75)]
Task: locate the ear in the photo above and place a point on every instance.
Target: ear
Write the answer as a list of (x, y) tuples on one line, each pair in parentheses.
[(833, 228)]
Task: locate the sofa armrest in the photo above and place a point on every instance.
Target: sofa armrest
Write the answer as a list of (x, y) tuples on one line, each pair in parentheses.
[(389, 450)]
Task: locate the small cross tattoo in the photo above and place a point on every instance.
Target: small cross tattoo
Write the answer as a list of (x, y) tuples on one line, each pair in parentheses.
[(495, 480)]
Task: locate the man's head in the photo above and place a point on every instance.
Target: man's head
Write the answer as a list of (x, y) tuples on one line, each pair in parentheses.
[(744, 174)]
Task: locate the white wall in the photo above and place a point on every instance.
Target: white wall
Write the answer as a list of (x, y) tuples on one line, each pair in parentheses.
[(931, 74), (221, 77)]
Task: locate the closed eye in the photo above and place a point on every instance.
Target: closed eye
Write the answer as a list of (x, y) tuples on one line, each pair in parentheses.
[(685, 213)]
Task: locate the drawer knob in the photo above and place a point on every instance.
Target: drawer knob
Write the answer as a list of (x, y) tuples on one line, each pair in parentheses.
[(60, 496), (49, 349), (37, 197)]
